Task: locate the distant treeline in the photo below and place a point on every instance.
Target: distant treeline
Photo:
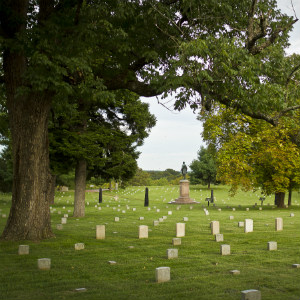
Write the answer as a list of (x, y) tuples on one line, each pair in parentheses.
[(167, 177)]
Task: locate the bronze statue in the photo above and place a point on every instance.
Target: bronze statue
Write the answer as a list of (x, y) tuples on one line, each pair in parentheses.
[(184, 170)]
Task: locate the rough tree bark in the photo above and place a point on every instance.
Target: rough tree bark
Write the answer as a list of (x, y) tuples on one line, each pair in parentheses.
[(80, 181), (29, 217), (279, 199)]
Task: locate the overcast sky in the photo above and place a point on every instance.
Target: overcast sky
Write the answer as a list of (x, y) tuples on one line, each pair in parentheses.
[(177, 135)]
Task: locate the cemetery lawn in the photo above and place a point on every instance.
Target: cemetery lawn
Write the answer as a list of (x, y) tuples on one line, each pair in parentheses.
[(199, 272)]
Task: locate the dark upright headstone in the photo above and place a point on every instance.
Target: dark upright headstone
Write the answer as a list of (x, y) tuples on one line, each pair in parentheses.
[(146, 197), (100, 195), (212, 196)]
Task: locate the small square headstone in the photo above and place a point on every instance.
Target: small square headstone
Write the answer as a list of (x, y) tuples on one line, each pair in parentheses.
[(297, 266), (141, 218), (272, 246), (63, 220), (143, 232), (176, 241), (23, 249), (235, 272), (241, 224), (155, 223), (117, 219), (44, 263), (100, 232), (169, 213), (225, 249), (248, 225), (231, 217), (79, 246), (185, 219), (172, 253), (251, 295), (219, 237), (59, 226), (292, 215), (162, 274), (215, 227), (180, 229)]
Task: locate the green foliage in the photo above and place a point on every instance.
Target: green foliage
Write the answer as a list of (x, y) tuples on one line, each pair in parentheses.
[(169, 174), (155, 178), (140, 178), (66, 180), (252, 153), (204, 169), (105, 133)]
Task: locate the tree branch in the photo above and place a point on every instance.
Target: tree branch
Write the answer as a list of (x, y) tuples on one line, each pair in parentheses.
[(256, 33), (291, 75)]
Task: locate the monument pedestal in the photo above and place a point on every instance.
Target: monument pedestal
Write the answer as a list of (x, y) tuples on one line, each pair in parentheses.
[(184, 197)]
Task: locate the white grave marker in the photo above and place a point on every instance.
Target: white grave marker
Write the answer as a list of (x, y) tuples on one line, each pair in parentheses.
[(248, 225), (143, 232), (100, 232), (162, 274), (180, 229)]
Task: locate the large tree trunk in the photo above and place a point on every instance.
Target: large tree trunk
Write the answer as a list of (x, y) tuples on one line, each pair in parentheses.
[(80, 181), (279, 199), (29, 217)]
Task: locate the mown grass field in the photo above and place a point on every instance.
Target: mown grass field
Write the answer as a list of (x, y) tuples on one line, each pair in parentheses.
[(200, 272)]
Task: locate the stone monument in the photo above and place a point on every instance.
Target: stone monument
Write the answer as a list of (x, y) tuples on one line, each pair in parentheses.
[(184, 184)]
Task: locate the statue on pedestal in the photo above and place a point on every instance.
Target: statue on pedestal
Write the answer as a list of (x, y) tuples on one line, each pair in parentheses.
[(184, 191), (184, 170)]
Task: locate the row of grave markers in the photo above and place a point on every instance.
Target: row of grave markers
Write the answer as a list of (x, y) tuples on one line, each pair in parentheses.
[(162, 274)]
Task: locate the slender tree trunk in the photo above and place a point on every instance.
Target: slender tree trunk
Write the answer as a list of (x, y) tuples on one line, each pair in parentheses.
[(290, 197), (208, 186), (80, 182), (29, 217), (279, 199)]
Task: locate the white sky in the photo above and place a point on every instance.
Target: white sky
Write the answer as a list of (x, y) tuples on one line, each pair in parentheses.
[(177, 135)]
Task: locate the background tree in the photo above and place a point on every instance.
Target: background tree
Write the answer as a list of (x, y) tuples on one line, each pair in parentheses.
[(100, 139), (140, 178), (204, 169), (253, 154)]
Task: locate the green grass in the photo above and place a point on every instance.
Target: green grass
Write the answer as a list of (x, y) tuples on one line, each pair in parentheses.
[(200, 272)]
